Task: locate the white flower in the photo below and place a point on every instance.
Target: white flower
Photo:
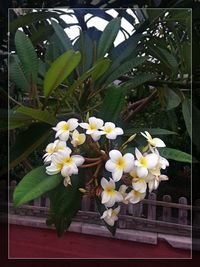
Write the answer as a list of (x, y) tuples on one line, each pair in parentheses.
[(77, 138), (156, 142), (117, 164), (162, 164), (93, 127), (154, 181), (110, 216), (122, 190), (144, 163), (53, 148), (135, 196), (111, 131), (64, 163), (109, 196), (63, 128)]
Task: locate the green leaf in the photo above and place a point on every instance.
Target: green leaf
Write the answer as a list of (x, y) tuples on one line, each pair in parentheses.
[(96, 71), (27, 141), (27, 56), (113, 103), (186, 109), (101, 209), (99, 68), (35, 184), (124, 68), (108, 37), (60, 69), (16, 74), (171, 153), (140, 79), (62, 37), (41, 34), (65, 203), (41, 115), (172, 99), (17, 120), (152, 131), (30, 18)]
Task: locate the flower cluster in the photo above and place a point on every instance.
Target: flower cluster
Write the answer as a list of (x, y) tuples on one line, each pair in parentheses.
[(131, 174)]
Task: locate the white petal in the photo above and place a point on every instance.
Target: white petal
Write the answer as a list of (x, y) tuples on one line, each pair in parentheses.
[(117, 175), (65, 171), (109, 221), (78, 160), (158, 142), (109, 124), (60, 125), (142, 172), (104, 183), (117, 210), (104, 214), (112, 183), (64, 136), (110, 165), (152, 160), (115, 155), (104, 197), (151, 185), (111, 135), (96, 136), (138, 154), (118, 196), (118, 131), (59, 132), (144, 135), (84, 125), (129, 162), (148, 135), (163, 177), (140, 186), (73, 169), (96, 121), (73, 124), (110, 202), (51, 170)]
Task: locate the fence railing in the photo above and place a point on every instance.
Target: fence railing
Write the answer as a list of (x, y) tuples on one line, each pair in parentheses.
[(150, 214)]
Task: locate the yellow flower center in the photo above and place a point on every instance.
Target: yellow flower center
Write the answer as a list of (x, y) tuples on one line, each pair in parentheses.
[(120, 163), (59, 165), (50, 150), (92, 126), (113, 213), (143, 162), (108, 130), (68, 160), (65, 127), (137, 194), (109, 191)]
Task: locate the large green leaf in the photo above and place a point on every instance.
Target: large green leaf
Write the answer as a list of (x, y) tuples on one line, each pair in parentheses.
[(62, 37), (40, 115), (108, 37), (113, 103), (186, 109), (60, 69), (35, 184), (65, 203), (17, 120), (153, 131), (172, 99), (27, 141), (16, 73), (27, 56), (124, 68), (30, 18), (171, 153)]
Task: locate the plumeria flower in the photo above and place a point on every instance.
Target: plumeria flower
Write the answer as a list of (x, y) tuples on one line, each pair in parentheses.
[(138, 193), (144, 163), (77, 138), (109, 195), (155, 142), (93, 127), (122, 190), (118, 164), (63, 128), (110, 216), (138, 183), (111, 131), (162, 164), (64, 163), (154, 181), (53, 148)]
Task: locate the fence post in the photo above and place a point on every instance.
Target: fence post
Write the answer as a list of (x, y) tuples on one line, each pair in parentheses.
[(122, 223), (151, 207), (182, 213), (85, 203), (167, 212), (135, 209)]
